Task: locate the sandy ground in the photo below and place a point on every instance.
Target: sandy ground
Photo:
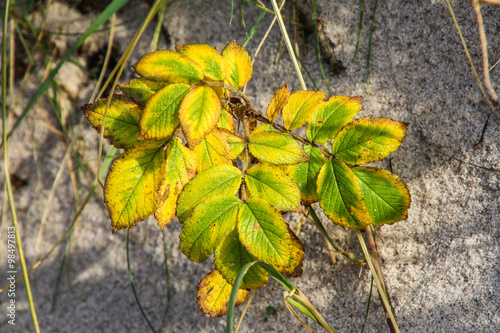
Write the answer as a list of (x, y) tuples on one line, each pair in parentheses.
[(441, 264)]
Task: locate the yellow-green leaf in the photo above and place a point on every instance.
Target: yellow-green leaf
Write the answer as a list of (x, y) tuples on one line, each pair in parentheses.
[(220, 179), (226, 119), (327, 120), (180, 169), (199, 112), (210, 222), (141, 89), (168, 66), (236, 143), (160, 118), (264, 233), (387, 198), (294, 267), (122, 120), (213, 295), (301, 105), (132, 184), (231, 256), (213, 150), (340, 197), (238, 65), (368, 140), (263, 128), (207, 57), (273, 185), (276, 148), (277, 103)]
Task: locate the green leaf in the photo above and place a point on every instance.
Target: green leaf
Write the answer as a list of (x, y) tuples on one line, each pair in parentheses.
[(132, 184), (180, 169), (141, 90), (168, 66), (306, 174), (368, 140), (274, 186), (199, 112), (226, 119), (340, 196), (161, 114), (207, 57), (301, 105), (231, 256), (331, 116), (276, 148), (213, 295), (122, 120), (264, 233), (387, 198), (294, 267), (220, 179), (238, 65), (277, 103), (209, 223), (236, 144), (213, 150)]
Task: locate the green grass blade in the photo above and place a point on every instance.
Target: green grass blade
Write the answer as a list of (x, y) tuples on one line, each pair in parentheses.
[(103, 17), (360, 26), (368, 305), (232, 11), (315, 20), (242, 18), (368, 56), (133, 287), (254, 28), (322, 229)]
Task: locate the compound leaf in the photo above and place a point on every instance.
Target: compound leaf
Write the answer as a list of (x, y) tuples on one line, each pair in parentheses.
[(301, 105), (122, 120), (160, 118), (264, 233), (213, 150), (327, 120), (209, 223), (180, 169), (168, 66), (276, 148), (231, 256), (219, 179), (306, 174), (141, 90), (132, 184), (387, 198), (277, 103), (367, 140), (213, 295), (340, 196), (199, 112), (273, 185), (207, 57), (238, 65)]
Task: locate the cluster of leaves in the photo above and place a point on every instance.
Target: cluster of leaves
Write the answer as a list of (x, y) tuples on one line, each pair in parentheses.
[(229, 191)]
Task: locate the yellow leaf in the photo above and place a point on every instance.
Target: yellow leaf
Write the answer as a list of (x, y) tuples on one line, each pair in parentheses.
[(238, 65), (141, 89), (236, 143), (294, 267), (168, 66), (199, 112), (301, 105), (213, 295), (226, 119), (132, 184), (279, 100), (213, 150), (122, 120), (207, 57), (180, 169), (160, 118)]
